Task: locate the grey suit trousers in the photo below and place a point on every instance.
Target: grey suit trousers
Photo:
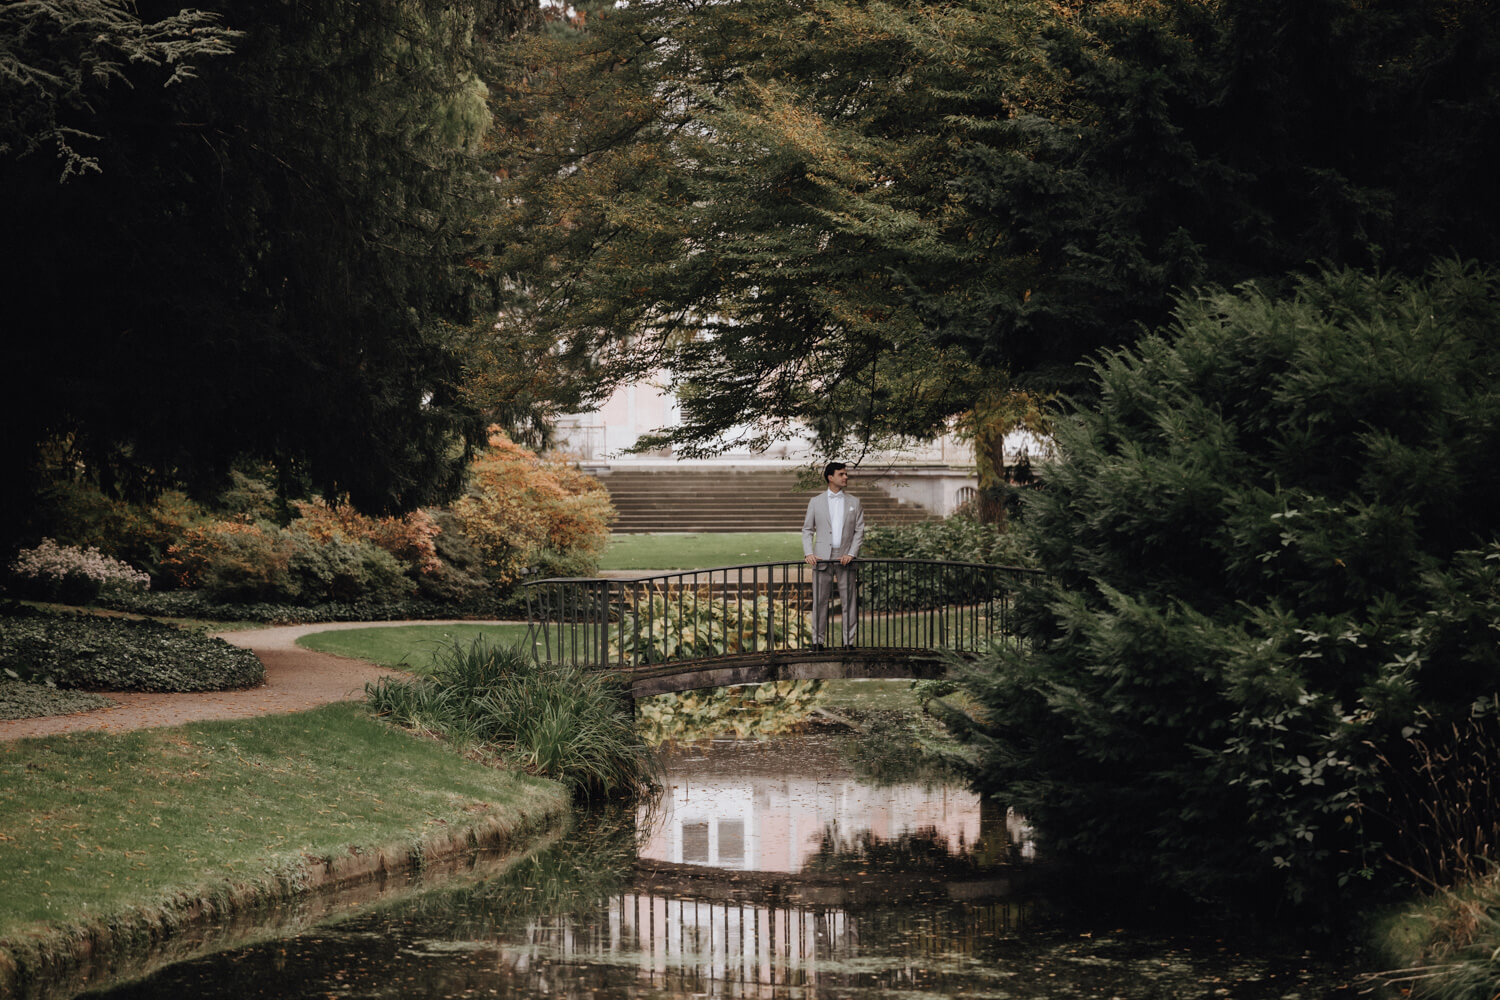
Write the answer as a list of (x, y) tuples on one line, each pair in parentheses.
[(825, 576)]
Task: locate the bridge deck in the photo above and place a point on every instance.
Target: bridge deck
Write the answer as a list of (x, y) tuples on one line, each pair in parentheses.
[(914, 616)]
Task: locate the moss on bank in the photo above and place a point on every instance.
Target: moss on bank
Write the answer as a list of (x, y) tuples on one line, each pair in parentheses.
[(112, 842)]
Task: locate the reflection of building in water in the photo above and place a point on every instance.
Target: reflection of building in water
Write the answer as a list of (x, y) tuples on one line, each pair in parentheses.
[(745, 950), (776, 823)]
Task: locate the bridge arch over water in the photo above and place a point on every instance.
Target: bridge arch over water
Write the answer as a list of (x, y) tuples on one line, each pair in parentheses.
[(752, 623)]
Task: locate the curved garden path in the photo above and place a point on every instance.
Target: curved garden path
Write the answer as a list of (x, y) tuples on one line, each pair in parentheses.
[(296, 679)]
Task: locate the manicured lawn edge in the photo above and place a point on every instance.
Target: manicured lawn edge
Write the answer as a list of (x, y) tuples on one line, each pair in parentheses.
[(127, 945), (68, 949)]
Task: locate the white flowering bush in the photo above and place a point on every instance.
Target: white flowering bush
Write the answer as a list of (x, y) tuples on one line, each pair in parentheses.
[(53, 572)]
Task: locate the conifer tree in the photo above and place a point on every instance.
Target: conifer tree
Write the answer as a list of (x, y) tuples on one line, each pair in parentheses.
[(1183, 143), (275, 261), (1271, 557)]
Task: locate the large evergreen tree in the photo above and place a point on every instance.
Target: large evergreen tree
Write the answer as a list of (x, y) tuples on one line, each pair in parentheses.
[(1271, 556), (272, 261), (1185, 142)]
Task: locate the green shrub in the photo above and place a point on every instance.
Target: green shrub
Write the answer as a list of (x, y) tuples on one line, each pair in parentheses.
[(235, 561), (249, 498), (260, 562), (459, 574), (959, 538), (681, 626), (337, 569), (955, 539), (116, 654), (76, 512), (569, 724), (1271, 555)]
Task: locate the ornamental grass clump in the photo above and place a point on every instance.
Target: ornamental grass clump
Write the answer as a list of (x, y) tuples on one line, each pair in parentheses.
[(72, 575), (556, 720)]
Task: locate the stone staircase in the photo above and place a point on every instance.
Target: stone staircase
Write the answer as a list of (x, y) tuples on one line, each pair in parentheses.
[(724, 500)]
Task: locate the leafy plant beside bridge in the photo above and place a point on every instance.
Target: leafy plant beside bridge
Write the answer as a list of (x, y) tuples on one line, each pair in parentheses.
[(684, 625)]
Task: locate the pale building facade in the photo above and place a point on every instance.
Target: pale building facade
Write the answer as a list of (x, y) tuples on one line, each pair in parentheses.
[(939, 475)]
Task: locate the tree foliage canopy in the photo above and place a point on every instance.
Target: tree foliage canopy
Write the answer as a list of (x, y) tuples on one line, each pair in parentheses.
[(58, 58), (1184, 142), (748, 195), (1272, 552), (271, 260), (802, 209)]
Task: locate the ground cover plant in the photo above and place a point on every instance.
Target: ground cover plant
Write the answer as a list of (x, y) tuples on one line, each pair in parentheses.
[(25, 700), (684, 550), (94, 827), (746, 711), (1272, 562), (119, 654), (565, 722), (410, 647)]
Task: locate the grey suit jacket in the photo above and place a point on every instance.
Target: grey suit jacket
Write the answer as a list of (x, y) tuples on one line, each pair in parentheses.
[(817, 526)]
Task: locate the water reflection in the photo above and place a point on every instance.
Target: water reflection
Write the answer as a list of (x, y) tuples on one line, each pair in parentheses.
[(767, 872), (775, 806)]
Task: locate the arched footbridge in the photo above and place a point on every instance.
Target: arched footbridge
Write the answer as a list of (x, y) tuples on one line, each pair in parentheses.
[(752, 624)]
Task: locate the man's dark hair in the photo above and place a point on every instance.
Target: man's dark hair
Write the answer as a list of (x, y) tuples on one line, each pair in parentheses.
[(831, 468)]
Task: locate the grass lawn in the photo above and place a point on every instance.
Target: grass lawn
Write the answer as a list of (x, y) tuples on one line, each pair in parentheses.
[(98, 824), (408, 647), (701, 551)]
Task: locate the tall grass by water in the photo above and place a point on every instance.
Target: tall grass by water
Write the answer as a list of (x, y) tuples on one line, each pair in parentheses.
[(557, 720)]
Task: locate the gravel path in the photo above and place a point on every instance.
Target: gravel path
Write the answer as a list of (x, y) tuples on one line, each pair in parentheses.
[(296, 679)]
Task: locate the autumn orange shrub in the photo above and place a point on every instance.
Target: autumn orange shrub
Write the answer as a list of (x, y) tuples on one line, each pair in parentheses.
[(525, 513), (234, 559), (411, 538)]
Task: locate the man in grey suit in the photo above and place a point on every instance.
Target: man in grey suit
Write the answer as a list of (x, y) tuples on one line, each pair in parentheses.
[(831, 534)]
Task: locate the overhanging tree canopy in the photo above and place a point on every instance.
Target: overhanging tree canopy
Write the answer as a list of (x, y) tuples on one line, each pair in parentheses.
[(273, 260), (802, 209), (749, 195)]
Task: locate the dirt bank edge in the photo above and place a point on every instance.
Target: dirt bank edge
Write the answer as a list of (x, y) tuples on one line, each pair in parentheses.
[(67, 955)]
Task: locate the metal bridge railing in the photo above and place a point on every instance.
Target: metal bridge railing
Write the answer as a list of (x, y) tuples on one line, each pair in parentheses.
[(908, 604)]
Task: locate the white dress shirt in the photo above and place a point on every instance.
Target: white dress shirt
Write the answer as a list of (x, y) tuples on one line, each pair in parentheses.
[(836, 517)]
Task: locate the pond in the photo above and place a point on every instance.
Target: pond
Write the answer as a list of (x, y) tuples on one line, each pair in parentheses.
[(764, 870)]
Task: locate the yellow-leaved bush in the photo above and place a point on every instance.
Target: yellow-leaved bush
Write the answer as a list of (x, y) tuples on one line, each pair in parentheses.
[(527, 514)]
